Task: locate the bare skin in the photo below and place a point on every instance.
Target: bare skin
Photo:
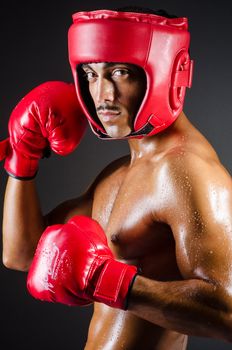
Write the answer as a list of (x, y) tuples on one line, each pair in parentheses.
[(166, 208)]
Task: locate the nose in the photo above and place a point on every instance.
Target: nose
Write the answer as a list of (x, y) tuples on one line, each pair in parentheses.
[(105, 91)]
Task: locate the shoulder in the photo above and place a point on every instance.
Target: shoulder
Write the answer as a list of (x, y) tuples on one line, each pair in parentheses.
[(192, 154), (195, 167), (192, 180), (197, 183), (199, 213)]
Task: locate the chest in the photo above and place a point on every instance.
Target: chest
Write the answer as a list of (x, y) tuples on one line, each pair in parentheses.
[(124, 204)]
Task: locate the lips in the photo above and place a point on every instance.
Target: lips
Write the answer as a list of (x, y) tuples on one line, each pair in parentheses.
[(108, 115)]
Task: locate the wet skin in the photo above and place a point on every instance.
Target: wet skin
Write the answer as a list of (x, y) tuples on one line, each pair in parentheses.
[(134, 200), (166, 207), (123, 205)]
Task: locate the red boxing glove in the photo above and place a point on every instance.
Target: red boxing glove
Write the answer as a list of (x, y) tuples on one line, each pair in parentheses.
[(73, 265), (48, 117)]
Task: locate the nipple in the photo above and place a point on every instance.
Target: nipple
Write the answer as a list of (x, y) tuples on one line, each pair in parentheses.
[(115, 238)]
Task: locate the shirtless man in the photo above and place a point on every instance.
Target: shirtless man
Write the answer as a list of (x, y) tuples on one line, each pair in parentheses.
[(165, 209)]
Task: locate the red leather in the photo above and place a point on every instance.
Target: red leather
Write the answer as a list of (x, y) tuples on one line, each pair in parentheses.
[(47, 117), (73, 265), (4, 147), (157, 44)]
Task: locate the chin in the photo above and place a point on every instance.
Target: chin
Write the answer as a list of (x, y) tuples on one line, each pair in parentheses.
[(116, 132)]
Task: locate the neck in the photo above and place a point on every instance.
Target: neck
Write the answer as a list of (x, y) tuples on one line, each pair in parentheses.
[(150, 145)]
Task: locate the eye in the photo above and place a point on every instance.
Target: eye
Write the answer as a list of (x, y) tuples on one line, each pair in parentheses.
[(89, 75), (120, 72)]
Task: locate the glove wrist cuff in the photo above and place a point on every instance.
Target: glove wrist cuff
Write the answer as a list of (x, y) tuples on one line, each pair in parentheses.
[(19, 166), (114, 283)]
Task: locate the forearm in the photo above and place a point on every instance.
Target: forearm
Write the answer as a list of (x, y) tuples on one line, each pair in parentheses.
[(23, 223), (192, 307)]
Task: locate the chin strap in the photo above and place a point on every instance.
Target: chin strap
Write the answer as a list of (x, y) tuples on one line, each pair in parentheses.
[(144, 131)]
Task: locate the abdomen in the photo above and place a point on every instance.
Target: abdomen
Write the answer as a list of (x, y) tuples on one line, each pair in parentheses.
[(112, 329)]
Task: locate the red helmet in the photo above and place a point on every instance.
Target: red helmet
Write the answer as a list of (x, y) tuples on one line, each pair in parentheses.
[(157, 44)]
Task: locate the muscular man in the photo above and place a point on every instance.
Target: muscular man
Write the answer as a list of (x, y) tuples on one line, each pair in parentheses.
[(164, 210)]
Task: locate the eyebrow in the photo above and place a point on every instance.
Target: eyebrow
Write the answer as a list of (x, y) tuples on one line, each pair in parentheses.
[(106, 64)]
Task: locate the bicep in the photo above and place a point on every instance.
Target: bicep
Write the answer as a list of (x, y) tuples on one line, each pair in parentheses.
[(204, 250)]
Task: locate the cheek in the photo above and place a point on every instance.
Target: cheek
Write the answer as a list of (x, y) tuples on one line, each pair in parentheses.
[(135, 95)]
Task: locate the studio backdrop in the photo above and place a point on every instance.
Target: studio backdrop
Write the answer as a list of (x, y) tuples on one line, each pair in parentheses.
[(34, 50)]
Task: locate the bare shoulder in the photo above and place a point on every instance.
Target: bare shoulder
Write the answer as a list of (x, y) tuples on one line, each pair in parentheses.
[(197, 165), (199, 211), (195, 156), (191, 176)]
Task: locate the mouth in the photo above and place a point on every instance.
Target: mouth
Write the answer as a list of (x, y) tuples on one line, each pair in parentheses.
[(108, 115)]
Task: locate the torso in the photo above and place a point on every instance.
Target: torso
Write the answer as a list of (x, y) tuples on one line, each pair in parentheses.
[(124, 206), (129, 202)]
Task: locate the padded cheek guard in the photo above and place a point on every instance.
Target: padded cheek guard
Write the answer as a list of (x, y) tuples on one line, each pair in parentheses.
[(157, 44)]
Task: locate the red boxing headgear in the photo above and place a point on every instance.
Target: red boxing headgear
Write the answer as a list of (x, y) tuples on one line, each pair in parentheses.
[(157, 44)]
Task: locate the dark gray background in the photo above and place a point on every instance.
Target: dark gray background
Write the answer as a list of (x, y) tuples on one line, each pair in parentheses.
[(33, 40)]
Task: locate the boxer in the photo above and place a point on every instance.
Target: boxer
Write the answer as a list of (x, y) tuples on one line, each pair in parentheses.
[(149, 243)]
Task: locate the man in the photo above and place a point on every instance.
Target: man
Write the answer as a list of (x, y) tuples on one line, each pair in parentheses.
[(159, 265)]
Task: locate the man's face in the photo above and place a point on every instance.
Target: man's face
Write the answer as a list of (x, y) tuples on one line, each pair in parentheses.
[(117, 90)]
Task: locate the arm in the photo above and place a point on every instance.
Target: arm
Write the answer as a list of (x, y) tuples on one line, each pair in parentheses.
[(47, 118), (201, 304), (23, 221)]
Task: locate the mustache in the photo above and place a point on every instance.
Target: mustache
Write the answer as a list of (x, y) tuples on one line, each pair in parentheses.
[(106, 107)]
